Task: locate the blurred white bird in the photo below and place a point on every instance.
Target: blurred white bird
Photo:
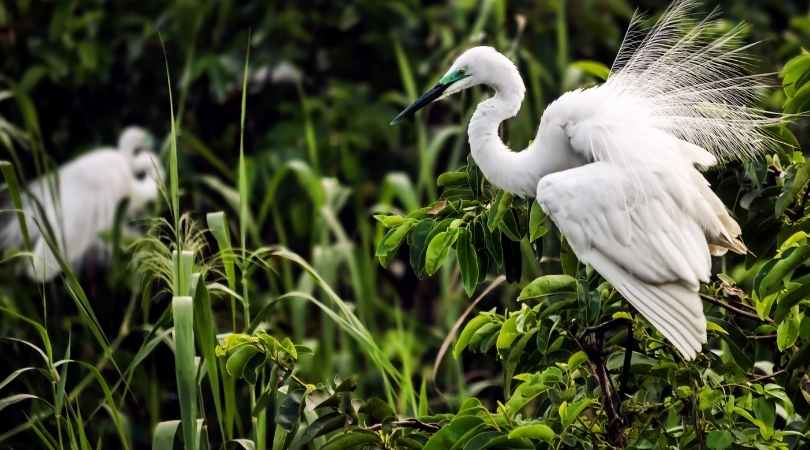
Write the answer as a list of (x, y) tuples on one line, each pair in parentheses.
[(616, 166), (84, 201)]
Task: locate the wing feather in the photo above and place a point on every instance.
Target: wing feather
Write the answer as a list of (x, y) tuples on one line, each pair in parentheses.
[(663, 256)]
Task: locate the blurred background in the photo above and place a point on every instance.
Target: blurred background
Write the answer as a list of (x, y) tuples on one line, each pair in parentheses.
[(324, 80)]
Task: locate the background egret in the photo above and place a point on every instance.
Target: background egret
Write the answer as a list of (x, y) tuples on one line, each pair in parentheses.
[(79, 201), (616, 166)]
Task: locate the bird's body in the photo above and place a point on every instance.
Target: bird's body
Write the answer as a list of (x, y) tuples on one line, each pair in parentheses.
[(617, 166), (79, 201)]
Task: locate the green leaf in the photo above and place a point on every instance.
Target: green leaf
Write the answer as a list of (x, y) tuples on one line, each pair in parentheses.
[(290, 409), (163, 436), (765, 411), (321, 426), (534, 430), (447, 437), (576, 360), (238, 360), (796, 292), (508, 333), (551, 375), (497, 440), (15, 398), (719, 440), (418, 242), (570, 412), (352, 440), (795, 73), (390, 243), (467, 261), (776, 391), (468, 332), (389, 220), (492, 240), (788, 332), (531, 387), (708, 397), (185, 367), (538, 222), (774, 278), (438, 248), (498, 209), (206, 333), (800, 102), (454, 178), (548, 285), (763, 428)]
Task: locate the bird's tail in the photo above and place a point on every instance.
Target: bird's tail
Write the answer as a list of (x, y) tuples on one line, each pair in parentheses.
[(695, 73)]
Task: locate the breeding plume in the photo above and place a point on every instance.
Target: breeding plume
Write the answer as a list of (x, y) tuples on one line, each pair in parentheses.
[(617, 167), (79, 201)]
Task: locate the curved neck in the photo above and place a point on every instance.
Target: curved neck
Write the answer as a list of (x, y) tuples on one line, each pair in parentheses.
[(508, 170)]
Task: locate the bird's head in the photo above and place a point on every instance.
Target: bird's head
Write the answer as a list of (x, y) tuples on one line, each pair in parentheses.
[(139, 146), (478, 65), (134, 140)]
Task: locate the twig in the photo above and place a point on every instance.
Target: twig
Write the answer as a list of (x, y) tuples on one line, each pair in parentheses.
[(734, 308), (456, 326), (602, 327), (628, 357), (765, 377), (760, 337), (408, 423)]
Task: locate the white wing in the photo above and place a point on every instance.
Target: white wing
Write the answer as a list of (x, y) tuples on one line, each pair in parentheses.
[(89, 189), (641, 214)]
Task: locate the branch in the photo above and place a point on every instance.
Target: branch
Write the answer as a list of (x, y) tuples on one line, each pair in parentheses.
[(734, 308), (408, 423), (616, 423), (765, 377)]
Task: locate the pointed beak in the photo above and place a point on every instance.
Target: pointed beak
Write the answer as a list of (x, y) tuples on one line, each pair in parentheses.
[(421, 102)]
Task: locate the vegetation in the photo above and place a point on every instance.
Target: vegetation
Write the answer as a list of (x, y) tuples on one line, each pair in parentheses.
[(313, 278)]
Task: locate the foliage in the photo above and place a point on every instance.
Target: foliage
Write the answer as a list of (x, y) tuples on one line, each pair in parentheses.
[(558, 342)]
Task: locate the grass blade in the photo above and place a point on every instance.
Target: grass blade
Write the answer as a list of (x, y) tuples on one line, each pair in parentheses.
[(185, 368), (163, 437)]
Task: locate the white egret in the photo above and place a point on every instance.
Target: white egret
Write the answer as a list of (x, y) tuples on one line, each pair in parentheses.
[(616, 166), (84, 201)]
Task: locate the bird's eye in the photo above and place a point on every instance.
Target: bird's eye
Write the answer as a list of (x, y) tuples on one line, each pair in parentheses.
[(138, 150), (140, 175)]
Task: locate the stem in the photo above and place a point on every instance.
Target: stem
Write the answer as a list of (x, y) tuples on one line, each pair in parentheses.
[(729, 307), (408, 423), (628, 357), (616, 424)]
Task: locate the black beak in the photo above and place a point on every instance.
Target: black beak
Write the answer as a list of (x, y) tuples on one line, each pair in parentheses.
[(420, 103)]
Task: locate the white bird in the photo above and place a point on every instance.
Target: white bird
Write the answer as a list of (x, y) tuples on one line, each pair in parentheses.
[(79, 201), (616, 166)]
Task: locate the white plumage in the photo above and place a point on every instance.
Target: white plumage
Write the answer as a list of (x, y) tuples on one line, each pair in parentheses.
[(80, 199), (616, 166)]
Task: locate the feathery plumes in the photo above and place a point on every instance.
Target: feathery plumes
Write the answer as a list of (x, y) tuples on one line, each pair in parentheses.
[(693, 78)]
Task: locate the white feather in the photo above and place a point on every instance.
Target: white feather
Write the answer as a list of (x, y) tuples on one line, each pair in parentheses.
[(79, 201)]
